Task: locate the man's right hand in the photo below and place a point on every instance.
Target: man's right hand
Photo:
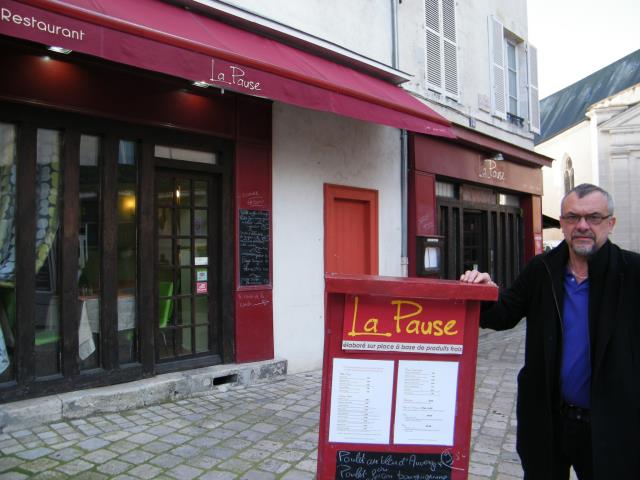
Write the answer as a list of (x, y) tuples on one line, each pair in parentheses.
[(474, 276)]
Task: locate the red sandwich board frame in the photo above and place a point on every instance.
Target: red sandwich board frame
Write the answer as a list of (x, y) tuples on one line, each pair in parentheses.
[(399, 373)]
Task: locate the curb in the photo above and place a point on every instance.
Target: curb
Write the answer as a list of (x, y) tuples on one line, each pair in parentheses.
[(114, 398)]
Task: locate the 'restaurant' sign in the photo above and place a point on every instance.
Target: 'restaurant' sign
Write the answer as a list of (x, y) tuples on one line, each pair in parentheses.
[(373, 323)]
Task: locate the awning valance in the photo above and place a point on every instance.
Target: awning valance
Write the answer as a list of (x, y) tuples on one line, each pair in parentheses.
[(158, 36)]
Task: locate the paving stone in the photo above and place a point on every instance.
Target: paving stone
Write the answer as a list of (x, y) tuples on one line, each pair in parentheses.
[(122, 446), (222, 452), (39, 465), (34, 453), (253, 455), (235, 465), (157, 447), (74, 467), (94, 476), (7, 463), (235, 443), (184, 472), (13, 476), (142, 438), (274, 466), (176, 439), (204, 442), (144, 471), (186, 451), (219, 476), (257, 475), (298, 475), (136, 457), (113, 467), (99, 456), (92, 444), (268, 445), (166, 460)]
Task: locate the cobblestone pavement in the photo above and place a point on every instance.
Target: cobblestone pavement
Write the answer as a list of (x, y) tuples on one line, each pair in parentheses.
[(261, 432)]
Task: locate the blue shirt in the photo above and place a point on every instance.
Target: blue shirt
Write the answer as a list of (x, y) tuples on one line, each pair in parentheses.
[(575, 371)]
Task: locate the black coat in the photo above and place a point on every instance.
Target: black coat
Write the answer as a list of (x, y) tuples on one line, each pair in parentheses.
[(614, 320)]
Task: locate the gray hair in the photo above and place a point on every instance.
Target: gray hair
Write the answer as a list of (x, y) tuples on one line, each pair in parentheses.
[(585, 189)]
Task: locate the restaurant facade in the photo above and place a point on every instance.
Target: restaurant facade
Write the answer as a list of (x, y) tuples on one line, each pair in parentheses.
[(140, 151), (483, 210), (175, 186)]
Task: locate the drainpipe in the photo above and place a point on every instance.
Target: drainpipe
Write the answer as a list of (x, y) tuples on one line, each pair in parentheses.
[(404, 188), (404, 172)]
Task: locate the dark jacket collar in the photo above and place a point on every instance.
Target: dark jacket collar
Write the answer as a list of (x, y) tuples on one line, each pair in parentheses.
[(557, 259)]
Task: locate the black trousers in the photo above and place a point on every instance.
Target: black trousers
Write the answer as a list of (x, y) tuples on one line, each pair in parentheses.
[(573, 437)]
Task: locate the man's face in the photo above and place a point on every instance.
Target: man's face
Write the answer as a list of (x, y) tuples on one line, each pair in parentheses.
[(585, 238)]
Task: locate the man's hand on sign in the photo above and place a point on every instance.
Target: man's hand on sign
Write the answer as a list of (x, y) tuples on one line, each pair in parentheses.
[(474, 276)]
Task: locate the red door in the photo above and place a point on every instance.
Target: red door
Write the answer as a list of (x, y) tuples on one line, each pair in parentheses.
[(351, 230)]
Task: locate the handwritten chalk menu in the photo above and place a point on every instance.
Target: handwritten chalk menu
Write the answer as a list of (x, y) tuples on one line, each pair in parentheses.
[(425, 402), (361, 401), (392, 466), (254, 247)]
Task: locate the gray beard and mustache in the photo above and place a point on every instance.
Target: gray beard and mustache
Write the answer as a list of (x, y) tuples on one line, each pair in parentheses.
[(584, 250)]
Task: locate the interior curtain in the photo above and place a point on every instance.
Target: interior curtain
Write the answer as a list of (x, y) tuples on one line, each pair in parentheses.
[(47, 194), (7, 205)]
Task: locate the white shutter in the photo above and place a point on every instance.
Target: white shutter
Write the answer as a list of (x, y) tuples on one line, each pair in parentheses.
[(450, 48), (496, 56), (433, 44), (532, 79)]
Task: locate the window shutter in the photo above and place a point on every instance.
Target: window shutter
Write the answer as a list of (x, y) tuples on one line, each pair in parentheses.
[(433, 44), (450, 48), (534, 101), (496, 55)]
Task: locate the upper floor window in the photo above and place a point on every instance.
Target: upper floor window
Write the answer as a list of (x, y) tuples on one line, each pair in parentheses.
[(569, 177), (441, 47), (514, 77)]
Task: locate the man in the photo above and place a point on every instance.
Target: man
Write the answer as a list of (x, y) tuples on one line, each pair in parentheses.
[(579, 389)]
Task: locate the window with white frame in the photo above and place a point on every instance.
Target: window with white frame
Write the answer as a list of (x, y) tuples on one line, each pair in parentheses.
[(511, 62), (514, 77), (441, 47)]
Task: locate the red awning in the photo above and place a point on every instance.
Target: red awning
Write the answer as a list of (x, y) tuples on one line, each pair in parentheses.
[(161, 37)]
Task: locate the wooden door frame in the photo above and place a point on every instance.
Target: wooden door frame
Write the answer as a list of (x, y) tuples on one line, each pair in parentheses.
[(334, 192)]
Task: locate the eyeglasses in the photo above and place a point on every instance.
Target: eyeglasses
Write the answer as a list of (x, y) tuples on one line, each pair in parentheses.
[(591, 219)]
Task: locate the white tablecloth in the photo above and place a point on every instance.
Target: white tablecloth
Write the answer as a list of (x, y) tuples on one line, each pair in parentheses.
[(90, 321)]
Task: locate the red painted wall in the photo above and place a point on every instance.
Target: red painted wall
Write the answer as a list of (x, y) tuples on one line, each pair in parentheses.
[(422, 212), (532, 213), (254, 304)]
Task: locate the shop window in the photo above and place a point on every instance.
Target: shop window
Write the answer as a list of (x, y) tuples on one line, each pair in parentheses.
[(446, 190), (127, 250), (48, 202), (89, 261), (7, 250), (508, 200), (185, 155)]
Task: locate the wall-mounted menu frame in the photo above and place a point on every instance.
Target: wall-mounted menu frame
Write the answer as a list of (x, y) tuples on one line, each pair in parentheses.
[(253, 238)]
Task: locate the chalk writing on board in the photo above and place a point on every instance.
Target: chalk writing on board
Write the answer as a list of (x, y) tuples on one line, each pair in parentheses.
[(390, 466), (254, 247)]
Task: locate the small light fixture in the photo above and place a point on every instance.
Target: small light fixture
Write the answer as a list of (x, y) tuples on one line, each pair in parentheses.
[(64, 51), (201, 84), (498, 157)]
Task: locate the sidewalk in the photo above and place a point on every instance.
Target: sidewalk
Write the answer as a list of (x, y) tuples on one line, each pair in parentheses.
[(257, 432)]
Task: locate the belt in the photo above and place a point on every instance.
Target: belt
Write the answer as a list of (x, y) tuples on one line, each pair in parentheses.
[(573, 412)]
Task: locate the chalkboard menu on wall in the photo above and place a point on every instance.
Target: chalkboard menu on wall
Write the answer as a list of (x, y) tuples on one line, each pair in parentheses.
[(254, 247)]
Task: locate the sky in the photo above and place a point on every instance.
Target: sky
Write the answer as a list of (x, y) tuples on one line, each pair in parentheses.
[(575, 38)]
